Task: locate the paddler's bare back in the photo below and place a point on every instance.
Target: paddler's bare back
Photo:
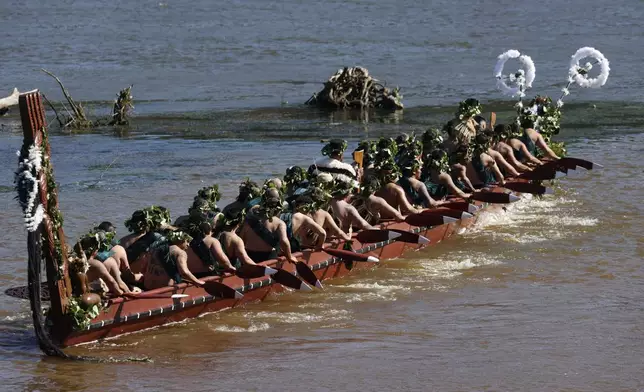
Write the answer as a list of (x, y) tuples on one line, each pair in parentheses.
[(155, 275), (195, 264), (253, 241), (388, 192)]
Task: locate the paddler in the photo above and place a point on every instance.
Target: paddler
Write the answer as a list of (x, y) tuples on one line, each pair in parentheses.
[(500, 139), (437, 176), (295, 181), (249, 195), (263, 233), (106, 268), (169, 262), (462, 128), (232, 244), (346, 214), (505, 167), (482, 168), (392, 193), (143, 226), (317, 209), (372, 207), (416, 191), (300, 227), (206, 256), (116, 251), (540, 116), (332, 163)]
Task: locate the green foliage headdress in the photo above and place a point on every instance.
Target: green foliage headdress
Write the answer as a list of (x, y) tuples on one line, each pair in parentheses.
[(211, 195), (248, 190), (295, 176), (334, 146), (370, 185), (468, 108), (148, 219), (178, 236), (432, 138), (271, 203), (542, 115), (437, 160), (97, 241)]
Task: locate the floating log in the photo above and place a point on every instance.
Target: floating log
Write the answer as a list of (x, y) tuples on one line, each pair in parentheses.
[(7, 102)]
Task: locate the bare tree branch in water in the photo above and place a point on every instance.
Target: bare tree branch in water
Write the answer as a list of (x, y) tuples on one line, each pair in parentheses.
[(76, 117)]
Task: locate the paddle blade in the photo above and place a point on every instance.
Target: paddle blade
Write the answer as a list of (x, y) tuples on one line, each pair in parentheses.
[(287, 279), (411, 238), (526, 187), (22, 292), (543, 173), (348, 255), (588, 165), (358, 157), (248, 271), (461, 205), (425, 220), (217, 289), (371, 236), (307, 274), (495, 197), (457, 214)]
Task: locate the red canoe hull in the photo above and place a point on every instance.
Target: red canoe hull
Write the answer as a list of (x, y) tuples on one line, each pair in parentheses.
[(132, 315)]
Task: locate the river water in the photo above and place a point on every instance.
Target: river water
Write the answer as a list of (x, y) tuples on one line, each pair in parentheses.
[(545, 296)]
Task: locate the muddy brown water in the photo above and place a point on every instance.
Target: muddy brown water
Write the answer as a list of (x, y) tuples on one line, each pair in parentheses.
[(545, 296)]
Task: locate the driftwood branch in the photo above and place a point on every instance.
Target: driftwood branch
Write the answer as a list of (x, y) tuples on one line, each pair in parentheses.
[(7, 102), (62, 125), (80, 119)]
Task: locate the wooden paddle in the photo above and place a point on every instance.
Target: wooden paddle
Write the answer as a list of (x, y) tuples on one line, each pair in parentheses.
[(307, 274), (460, 205), (527, 187), (249, 271), (218, 289), (543, 173), (373, 236), (588, 165), (358, 157), (287, 279), (444, 211), (376, 235), (22, 292), (495, 197), (427, 220), (411, 238), (492, 120), (348, 255), (559, 165)]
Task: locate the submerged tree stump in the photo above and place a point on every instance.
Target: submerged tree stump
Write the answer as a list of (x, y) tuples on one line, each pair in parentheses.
[(353, 87)]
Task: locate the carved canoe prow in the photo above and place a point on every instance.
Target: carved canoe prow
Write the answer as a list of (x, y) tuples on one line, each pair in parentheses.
[(41, 211)]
